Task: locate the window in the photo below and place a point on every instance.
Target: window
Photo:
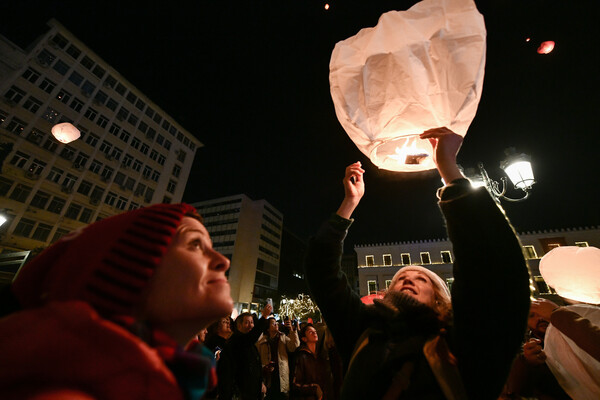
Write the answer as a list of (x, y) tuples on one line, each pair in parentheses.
[(120, 89), (370, 260), (388, 282), (95, 166), (135, 143), (446, 257), (40, 199), (105, 147), (171, 186), (50, 114), (110, 198), (35, 136), (91, 114), (24, 227), (127, 160), (86, 215), (425, 258), (133, 206), (176, 170), (55, 175), (529, 252), (63, 96), (32, 104), (387, 260), (88, 88), (372, 287), (3, 116), (19, 159), (131, 97), (47, 85), (553, 246), (125, 136), (97, 193), (180, 155), (173, 130), (139, 104), (99, 71), (122, 114), (56, 205), (107, 173), (144, 148), (16, 126), (151, 133), (76, 78), (36, 167), (73, 211), (160, 139), (581, 244), (80, 160), (111, 104), (116, 153), (68, 152), (147, 172), (84, 188), (20, 193), (153, 155), (42, 232), (31, 75), (157, 118), (102, 121), (14, 94), (161, 159), (166, 125), (141, 188), (87, 62), (129, 183), (60, 41), (149, 112), (92, 140), (155, 176), (137, 165), (73, 51), (121, 203), (5, 185), (542, 286), (61, 67), (119, 178), (150, 194), (76, 104), (449, 282), (45, 58), (133, 120), (110, 81), (69, 182), (50, 144), (168, 147), (405, 257)]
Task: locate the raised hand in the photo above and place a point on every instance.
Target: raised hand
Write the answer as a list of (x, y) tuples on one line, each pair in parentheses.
[(445, 147), (354, 189)]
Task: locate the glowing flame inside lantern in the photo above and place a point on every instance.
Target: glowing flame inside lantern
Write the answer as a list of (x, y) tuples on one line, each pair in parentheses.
[(546, 47), (404, 154), (409, 154), (65, 132)]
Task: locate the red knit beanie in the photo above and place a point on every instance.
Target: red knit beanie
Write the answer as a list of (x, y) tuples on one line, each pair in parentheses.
[(106, 264)]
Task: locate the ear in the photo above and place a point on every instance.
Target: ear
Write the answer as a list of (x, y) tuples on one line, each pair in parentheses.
[(303, 339)]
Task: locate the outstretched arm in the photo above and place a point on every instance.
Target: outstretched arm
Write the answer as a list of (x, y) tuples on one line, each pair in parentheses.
[(354, 189)]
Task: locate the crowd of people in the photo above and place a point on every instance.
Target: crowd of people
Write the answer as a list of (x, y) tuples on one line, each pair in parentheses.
[(138, 306)]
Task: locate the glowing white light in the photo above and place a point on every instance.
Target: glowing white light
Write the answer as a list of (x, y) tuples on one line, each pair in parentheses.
[(520, 174), (3, 219), (65, 132)]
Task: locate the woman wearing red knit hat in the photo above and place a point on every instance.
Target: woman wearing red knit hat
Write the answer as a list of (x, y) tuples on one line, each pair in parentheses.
[(104, 313)]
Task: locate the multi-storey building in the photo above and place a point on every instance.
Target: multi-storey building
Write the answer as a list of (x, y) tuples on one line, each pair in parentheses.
[(249, 233), (130, 154), (378, 263)]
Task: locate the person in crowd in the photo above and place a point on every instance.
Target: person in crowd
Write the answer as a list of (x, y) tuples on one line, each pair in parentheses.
[(312, 378), (416, 342), (112, 306), (239, 368), (273, 347), (218, 333), (328, 350), (529, 375)]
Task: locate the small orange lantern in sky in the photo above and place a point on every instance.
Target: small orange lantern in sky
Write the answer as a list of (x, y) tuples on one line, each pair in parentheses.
[(546, 47), (65, 132)]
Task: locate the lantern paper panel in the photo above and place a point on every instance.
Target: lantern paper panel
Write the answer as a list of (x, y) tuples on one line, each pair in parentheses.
[(574, 272), (416, 70)]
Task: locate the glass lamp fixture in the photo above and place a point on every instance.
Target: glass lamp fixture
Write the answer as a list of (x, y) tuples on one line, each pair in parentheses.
[(3, 219), (518, 168), (65, 132)]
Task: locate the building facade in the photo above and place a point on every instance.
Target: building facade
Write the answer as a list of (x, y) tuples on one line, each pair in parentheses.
[(130, 154), (248, 232), (378, 263)]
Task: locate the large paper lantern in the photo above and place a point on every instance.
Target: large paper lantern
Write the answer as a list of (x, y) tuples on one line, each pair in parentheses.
[(416, 70), (65, 132), (574, 272)]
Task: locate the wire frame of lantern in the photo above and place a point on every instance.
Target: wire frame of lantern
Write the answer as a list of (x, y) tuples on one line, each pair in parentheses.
[(65, 132)]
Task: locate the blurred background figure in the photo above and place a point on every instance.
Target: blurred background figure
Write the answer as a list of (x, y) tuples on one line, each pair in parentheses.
[(312, 377)]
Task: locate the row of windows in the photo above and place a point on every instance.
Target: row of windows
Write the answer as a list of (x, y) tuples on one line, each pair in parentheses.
[(269, 241), (530, 253), (47, 58), (222, 212), (14, 95), (373, 288), (222, 203), (271, 231), (268, 252), (445, 255), (37, 230), (272, 222)]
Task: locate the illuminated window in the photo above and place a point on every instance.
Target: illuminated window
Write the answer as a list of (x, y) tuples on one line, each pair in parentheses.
[(370, 260), (405, 258), (542, 286), (581, 244), (372, 286), (388, 282), (446, 257), (529, 252), (425, 258), (449, 282), (553, 246), (387, 260)]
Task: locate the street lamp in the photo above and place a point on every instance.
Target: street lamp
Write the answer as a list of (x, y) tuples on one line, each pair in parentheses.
[(517, 167)]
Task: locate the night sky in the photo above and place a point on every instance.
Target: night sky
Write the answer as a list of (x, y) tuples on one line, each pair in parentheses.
[(250, 80)]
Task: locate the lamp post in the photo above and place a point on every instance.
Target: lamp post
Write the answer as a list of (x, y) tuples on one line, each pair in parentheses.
[(519, 171)]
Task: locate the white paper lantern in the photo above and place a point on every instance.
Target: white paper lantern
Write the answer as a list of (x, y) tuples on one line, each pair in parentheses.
[(416, 70), (65, 132), (574, 272)]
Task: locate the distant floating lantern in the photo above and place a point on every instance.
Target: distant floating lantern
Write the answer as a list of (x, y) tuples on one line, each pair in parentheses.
[(416, 70), (574, 272), (65, 132), (546, 47), (327, 6)]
